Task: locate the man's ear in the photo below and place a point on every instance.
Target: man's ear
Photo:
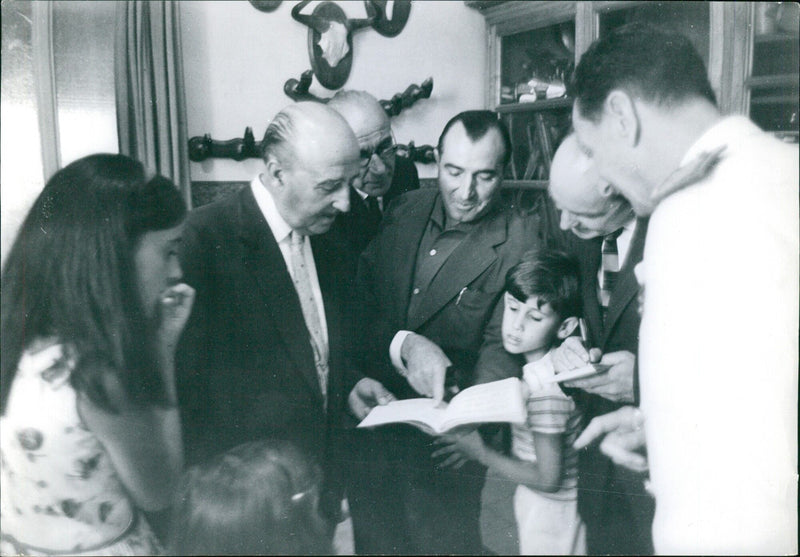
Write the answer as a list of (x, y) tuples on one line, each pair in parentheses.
[(274, 172), (624, 121), (567, 327), (436, 155), (606, 190)]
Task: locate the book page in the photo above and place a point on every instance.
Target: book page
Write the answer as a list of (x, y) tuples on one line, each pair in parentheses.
[(416, 411), (498, 401)]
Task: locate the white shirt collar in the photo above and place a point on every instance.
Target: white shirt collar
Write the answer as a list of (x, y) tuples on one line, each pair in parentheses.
[(280, 229), (720, 134), (360, 193), (630, 225)]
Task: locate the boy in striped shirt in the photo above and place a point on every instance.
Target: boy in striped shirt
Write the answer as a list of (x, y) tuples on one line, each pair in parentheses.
[(542, 306)]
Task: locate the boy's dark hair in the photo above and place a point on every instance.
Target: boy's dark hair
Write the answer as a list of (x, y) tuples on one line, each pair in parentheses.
[(552, 276), (477, 124), (655, 64)]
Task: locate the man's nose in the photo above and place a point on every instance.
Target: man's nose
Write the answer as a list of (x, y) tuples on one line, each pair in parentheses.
[(175, 272), (342, 200), (376, 164), (516, 322), (466, 190)]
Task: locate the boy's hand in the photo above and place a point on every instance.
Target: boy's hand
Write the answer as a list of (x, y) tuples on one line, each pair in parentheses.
[(458, 448)]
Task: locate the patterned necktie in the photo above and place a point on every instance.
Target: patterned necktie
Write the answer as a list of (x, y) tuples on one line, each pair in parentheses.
[(610, 268), (302, 283)]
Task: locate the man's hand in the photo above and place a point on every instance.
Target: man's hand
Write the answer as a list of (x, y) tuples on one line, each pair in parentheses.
[(573, 355), (622, 436), (616, 384), (367, 394), (426, 364)]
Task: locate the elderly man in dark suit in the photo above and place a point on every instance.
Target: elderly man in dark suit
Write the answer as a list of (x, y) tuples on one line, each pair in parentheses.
[(431, 284), (384, 175), (608, 242), (264, 353)]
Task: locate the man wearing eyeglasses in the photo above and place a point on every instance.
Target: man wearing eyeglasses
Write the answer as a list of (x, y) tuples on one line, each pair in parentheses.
[(384, 175)]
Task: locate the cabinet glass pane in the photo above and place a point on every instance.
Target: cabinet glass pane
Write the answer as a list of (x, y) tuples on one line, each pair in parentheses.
[(535, 136), (533, 60), (775, 54), (774, 86), (692, 19)]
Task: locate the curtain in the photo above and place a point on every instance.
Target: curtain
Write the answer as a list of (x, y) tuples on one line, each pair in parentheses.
[(151, 106)]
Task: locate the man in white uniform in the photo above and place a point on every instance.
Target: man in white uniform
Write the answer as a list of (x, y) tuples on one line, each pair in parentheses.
[(718, 341)]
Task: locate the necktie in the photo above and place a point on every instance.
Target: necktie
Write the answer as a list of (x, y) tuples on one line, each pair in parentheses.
[(373, 216), (302, 283), (609, 263)]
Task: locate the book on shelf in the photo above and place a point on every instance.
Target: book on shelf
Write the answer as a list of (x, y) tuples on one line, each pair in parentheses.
[(498, 401)]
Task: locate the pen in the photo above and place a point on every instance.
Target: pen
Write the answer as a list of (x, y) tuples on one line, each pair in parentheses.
[(584, 333), (460, 294)]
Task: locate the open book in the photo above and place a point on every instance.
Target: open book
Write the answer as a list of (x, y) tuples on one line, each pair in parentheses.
[(498, 401)]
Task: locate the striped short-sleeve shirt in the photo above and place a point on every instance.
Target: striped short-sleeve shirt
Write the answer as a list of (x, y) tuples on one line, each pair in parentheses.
[(550, 411)]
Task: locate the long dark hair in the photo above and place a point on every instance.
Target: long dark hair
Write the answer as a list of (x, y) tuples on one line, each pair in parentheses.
[(71, 275)]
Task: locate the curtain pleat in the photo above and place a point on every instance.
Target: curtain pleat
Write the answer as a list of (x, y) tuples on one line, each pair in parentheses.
[(151, 103)]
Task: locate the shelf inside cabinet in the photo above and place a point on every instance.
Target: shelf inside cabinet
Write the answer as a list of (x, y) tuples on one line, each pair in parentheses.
[(774, 99), (526, 184), (774, 37), (543, 104), (765, 81)]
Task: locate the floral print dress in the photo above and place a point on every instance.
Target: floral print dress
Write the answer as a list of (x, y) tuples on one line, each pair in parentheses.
[(60, 493)]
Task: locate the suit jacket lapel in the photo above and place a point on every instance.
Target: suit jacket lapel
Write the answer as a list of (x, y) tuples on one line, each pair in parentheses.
[(328, 274), (591, 308), (263, 258), (475, 253), (627, 287), (405, 244)]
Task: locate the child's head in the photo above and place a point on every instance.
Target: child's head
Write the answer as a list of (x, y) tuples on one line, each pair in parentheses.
[(259, 498), (542, 302)]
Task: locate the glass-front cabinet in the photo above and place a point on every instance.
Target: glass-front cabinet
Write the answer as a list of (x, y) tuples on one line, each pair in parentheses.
[(773, 82), (750, 49)]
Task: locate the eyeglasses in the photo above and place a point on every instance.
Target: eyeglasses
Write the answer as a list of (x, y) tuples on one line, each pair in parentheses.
[(385, 150)]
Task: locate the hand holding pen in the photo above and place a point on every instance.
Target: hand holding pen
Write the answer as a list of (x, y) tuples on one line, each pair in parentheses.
[(615, 384), (575, 352)]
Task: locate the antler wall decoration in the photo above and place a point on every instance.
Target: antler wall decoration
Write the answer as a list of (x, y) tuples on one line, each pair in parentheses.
[(330, 35)]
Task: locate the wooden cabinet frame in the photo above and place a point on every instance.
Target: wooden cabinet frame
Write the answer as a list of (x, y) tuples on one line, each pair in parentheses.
[(730, 41)]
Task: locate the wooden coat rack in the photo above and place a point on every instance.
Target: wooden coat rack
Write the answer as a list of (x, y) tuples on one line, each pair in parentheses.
[(246, 147)]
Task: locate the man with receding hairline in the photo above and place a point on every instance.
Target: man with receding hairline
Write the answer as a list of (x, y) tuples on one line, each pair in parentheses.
[(264, 354), (612, 501)]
